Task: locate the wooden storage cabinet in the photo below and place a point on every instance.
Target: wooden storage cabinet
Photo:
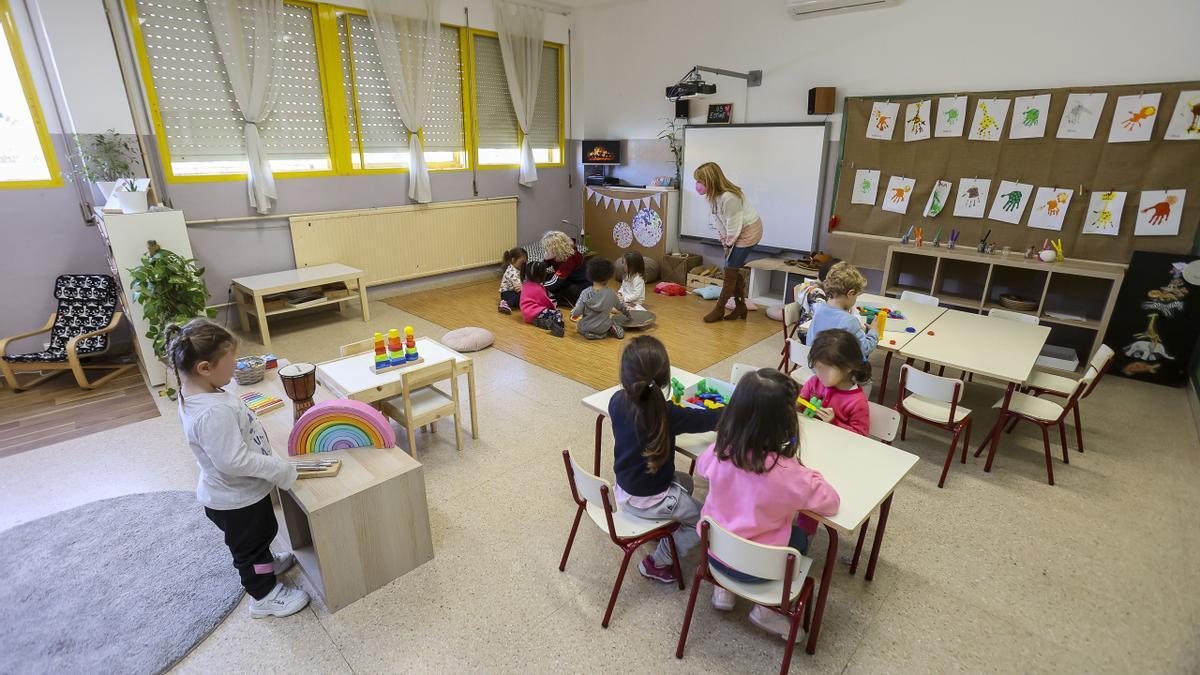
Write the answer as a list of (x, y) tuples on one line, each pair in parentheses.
[(960, 283), (909, 272)]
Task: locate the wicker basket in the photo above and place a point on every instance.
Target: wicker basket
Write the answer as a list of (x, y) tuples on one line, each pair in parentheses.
[(250, 369), (1016, 302)]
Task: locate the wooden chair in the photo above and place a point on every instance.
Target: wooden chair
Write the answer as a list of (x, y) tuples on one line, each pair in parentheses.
[(885, 424), (366, 346), (593, 495), (934, 400), (787, 591), (1043, 413), (79, 332), (1056, 385), (421, 404)]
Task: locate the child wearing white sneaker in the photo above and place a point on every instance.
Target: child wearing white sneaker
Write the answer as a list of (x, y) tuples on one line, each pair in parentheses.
[(237, 469), (756, 482)]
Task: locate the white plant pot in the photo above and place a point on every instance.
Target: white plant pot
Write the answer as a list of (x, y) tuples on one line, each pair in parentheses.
[(132, 202)]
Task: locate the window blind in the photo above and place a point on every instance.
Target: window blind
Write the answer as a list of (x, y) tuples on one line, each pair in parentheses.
[(195, 101), (21, 155), (545, 111), (496, 122)]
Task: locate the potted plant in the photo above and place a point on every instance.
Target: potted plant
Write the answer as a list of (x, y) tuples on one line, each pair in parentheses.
[(670, 134), (105, 159), (129, 198), (171, 290)]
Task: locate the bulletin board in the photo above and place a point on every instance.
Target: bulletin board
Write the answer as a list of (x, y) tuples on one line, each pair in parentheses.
[(1081, 165), (620, 220)]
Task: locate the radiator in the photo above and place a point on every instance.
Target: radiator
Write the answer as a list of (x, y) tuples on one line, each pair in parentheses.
[(407, 242)]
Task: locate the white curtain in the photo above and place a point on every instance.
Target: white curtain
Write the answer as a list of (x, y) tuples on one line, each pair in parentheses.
[(408, 33), (521, 28), (247, 44)]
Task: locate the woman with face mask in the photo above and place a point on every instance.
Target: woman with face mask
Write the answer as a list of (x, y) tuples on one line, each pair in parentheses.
[(738, 227)]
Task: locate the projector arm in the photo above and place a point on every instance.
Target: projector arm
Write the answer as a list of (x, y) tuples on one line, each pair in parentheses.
[(752, 78)]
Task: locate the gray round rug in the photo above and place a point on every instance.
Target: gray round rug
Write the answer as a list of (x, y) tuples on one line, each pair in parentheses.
[(122, 585)]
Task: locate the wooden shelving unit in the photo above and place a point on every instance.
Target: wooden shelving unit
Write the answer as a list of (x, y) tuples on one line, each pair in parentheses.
[(1075, 297)]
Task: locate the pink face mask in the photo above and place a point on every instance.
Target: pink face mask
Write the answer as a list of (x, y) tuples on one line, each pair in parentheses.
[(700, 189)]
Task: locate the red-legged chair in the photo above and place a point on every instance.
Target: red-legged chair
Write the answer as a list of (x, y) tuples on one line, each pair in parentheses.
[(1043, 413), (885, 424), (787, 591), (934, 400), (791, 330), (1056, 385), (627, 531)]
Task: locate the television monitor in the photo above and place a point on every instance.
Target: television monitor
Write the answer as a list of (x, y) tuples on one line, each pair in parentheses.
[(602, 152)]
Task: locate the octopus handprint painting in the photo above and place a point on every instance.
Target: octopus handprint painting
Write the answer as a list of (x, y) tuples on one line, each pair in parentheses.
[(988, 122), (1029, 116), (1011, 200), (916, 120), (1050, 208), (951, 117), (1185, 121), (1081, 116), (1103, 215), (866, 186), (899, 193), (1159, 213), (882, 120), (971, 200), (1134, 118)]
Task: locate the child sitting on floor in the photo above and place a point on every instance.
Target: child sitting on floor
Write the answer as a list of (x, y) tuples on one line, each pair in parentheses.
[(633, 286), (840, 370), (843, 286), (536, 306), (598, 303), (756, 482), (510, 283)]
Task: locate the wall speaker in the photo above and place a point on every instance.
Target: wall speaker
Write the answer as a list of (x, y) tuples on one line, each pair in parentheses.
[(681, 109), (821, 100)]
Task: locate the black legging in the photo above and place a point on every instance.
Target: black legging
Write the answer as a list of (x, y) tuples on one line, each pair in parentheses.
[(568, 288)]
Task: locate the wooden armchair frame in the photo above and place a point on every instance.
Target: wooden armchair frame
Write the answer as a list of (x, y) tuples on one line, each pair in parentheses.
[(74, 363)]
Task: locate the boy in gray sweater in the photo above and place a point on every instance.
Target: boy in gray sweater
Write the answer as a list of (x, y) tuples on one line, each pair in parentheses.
[(597, 305)]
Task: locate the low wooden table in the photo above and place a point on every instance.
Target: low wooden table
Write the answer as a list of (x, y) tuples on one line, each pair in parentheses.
[(354, 532), (248, 292)]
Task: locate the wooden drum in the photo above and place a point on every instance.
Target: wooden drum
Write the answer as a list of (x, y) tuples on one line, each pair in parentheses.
[(300, 384)]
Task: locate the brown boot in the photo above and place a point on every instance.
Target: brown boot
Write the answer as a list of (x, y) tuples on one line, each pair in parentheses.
[(727, 289), (739, 294)]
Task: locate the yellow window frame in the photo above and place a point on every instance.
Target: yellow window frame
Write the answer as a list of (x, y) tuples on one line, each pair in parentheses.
[(35, 108)]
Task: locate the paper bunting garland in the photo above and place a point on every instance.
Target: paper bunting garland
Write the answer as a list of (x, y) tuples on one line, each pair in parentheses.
[(622, 205)]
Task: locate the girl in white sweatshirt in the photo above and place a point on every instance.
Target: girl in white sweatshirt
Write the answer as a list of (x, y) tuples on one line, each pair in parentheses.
[(633, 286), (237, 468)]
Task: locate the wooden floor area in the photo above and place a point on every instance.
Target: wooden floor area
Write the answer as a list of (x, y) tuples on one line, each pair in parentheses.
[(58, 410), (692, 344)]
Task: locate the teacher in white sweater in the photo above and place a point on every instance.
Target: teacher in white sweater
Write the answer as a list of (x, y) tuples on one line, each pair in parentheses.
[(738, 227)]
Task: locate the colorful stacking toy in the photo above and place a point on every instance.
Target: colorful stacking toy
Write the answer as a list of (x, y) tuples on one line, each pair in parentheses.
[(395, 348), (411, 344), (382, 360), (339, 425)]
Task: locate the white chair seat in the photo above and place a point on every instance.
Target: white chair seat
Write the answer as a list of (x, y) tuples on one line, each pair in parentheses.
[(765, 593), (692, 445), (1032, 406), (931, 410), (628, 525), (1050, 382)]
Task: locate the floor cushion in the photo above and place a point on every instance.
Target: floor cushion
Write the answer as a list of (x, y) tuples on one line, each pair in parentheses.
[(469, 339)]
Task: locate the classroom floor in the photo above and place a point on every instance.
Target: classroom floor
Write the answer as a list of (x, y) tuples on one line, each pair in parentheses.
[(995, 573)]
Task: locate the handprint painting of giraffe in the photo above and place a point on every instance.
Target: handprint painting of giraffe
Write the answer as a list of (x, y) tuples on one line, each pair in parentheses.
[(1011, 200), (882, 120), (1029, 116), (937, 198), (1159, 213), (988, 121), (951, 117), (866, 186), (916, 121), (1081, 116), (972, 197), (899, 193), (1134, 118), (1185, 121), (1103, 215), (1050, 208)]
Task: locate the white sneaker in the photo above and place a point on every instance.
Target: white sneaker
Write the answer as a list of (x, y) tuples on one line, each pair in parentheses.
[(722, 599), (281, 601), (283, 561), (770, 621)]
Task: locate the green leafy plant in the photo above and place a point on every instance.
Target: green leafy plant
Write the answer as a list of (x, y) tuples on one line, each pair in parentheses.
[(171, 290), (670, 134), (108, 157)]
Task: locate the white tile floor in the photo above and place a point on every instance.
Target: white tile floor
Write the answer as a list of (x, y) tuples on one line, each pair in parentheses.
[(997, 572)]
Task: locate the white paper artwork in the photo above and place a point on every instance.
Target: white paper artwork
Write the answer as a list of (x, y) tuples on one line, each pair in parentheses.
[(916, 120), (951, 117), (1029, 116), (937, 198), (866, 187), (1081, 116), (1010, 202), (971, 200), (882, 121), (1050, 208), (899, 191), (1185, 121), (1103, 214), (1133, 118), (1159, 213), (988, 122)]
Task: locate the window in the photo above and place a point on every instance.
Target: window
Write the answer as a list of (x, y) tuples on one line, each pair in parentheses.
[(26, 154), (498, 135), (194, 103), (378, 139)]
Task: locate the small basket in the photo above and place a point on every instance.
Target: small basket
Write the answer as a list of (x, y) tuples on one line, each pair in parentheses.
[(250, 369), (1016, 302)]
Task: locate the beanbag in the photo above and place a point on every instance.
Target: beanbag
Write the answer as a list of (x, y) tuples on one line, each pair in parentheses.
[(708, 292), (469, 339), (668, 288), (651, 264)]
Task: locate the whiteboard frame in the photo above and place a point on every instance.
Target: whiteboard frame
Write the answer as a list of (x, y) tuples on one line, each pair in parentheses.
[(820, 200)]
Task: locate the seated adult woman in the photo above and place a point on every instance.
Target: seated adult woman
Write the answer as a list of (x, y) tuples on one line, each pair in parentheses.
[(570, 277)]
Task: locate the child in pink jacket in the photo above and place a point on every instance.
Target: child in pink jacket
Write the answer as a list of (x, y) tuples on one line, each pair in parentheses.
[(756, 482), (837, 360), (536, 306)]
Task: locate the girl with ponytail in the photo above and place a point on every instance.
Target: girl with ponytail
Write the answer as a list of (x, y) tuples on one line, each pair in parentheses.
[(837, 360), (644, 426)]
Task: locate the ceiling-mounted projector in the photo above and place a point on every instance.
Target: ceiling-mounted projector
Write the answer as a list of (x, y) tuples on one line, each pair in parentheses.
[(686, 90), (692, 86)]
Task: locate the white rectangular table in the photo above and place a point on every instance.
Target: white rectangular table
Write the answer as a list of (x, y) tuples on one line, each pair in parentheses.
[(1001, 349), (249, 292), (354, 376), (898, 332), (864, 472)]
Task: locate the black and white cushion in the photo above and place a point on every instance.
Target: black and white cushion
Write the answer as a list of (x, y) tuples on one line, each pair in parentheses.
[(86, 303)]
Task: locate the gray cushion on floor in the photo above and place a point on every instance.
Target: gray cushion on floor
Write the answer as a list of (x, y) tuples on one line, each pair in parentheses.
[(122, 585)]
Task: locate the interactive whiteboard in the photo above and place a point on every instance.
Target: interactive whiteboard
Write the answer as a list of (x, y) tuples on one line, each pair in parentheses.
[(780, 167)]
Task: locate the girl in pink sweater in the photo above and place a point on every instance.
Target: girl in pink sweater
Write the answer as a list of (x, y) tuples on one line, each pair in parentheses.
[(837, 360), (756, 482), (536, 306)]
